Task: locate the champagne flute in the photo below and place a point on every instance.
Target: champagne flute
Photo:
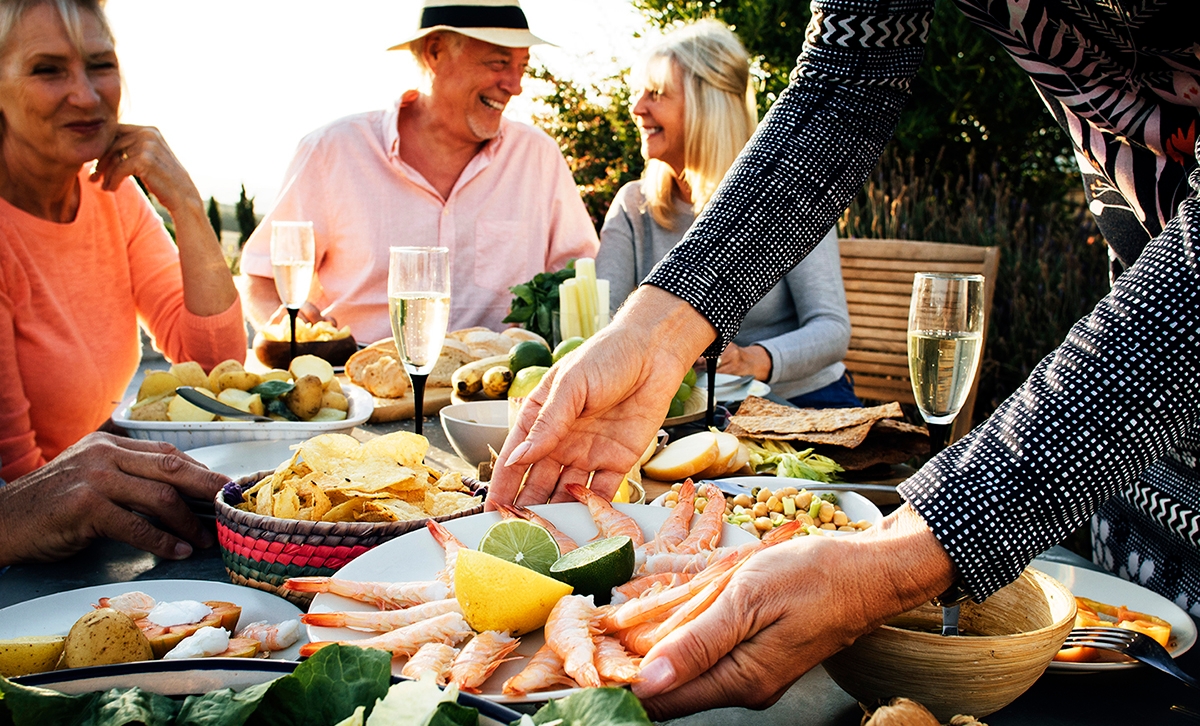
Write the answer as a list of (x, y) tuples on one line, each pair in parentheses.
[(945, 337), (419, 306), (293, 250)]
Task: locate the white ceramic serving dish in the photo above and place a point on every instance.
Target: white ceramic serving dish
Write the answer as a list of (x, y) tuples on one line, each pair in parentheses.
[(473, 426), (186, 436)]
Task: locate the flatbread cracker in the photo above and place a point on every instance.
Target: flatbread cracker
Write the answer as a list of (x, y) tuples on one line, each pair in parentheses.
[(848, 437), (757, 416)]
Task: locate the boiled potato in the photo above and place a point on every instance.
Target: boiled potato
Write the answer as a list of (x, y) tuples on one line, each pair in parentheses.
[(191, 374), (239, 380), (227, 366), (151, 409), (329, 414), (242, 400), (181, 410), (305, 399), (102, 637), (157, 383), (334, 386), (30, 654), (276, 375), (311, 365), (332, 399)]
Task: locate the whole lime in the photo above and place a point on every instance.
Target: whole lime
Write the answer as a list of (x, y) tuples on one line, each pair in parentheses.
[(528, 353), (526, 380), (565, 347)]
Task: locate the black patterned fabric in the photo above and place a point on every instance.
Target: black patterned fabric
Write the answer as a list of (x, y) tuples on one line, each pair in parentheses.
[(1113, 411)]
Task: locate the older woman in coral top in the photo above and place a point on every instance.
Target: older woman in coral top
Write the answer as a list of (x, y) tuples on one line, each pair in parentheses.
[(83, 255)]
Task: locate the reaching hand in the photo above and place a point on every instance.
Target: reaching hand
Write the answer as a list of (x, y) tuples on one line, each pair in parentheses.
[(596, 410), (98, 488), (778, 617)]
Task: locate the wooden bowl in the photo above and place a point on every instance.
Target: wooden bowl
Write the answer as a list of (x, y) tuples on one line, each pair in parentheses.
[(278, 353), (1012, 637)]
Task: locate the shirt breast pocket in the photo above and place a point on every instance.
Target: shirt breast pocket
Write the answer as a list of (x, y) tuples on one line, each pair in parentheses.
[(505, 256)]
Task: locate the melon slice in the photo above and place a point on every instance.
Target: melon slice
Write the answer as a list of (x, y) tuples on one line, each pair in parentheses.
[(727, 449), (683, 458)]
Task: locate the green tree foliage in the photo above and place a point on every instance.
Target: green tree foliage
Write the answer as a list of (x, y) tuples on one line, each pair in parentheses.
[(596, 135), (245, 216), (214, 216)]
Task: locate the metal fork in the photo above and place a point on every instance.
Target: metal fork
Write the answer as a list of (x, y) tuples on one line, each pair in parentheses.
[(1130, 643)]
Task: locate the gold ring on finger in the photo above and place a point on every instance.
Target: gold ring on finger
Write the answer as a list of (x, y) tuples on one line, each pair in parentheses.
[(124, 156)]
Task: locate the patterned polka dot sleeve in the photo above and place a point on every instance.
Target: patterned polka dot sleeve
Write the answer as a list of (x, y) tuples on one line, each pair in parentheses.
[(1118, 395), (809, 157)]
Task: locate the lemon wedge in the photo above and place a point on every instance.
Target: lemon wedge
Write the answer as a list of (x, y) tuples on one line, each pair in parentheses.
[(495, 594)]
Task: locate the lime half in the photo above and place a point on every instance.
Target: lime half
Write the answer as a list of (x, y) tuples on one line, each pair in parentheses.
[(523, 543), (596, 568)]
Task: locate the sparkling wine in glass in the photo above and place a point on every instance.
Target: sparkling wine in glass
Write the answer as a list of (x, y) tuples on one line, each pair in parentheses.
[(945, 337), (419, 306), (293, 250)]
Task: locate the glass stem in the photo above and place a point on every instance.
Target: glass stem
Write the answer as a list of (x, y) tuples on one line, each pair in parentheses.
[(939, 434), (292, 313), (418, 381), (710, 416)]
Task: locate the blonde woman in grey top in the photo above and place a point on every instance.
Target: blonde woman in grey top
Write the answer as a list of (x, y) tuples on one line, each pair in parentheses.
[(696, 111)]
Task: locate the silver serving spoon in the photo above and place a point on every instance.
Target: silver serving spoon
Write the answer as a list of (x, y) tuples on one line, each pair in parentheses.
[(950, 620), (199, 400)]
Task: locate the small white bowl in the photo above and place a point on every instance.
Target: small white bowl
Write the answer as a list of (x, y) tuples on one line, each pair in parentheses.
[(472, 426)]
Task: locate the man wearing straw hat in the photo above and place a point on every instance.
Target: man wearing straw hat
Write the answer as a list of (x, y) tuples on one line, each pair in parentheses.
[(443, 167)]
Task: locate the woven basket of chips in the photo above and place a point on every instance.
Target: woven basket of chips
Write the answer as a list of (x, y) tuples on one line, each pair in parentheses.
[(263, 551)]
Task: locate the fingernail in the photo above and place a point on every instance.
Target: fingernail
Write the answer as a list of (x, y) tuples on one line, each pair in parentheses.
[(183, 550), (517, 453), (656, 677)]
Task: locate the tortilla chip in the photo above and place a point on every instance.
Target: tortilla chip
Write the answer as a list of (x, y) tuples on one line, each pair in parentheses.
[(450, 482)]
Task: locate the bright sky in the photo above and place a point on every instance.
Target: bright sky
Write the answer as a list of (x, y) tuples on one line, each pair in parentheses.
[(234, 84)]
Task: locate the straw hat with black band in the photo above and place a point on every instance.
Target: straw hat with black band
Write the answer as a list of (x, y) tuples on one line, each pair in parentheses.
[(500, 22)]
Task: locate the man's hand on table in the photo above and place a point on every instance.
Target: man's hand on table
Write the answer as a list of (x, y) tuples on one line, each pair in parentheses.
[(790, 607), (98, 488), (596, 410)]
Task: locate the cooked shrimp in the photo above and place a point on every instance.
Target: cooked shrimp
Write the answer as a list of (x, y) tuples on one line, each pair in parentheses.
[(612, 661), (707, 532), (642, 637), (675, 529), (696, 562), (480, 659), (449, 543), (449, 628), (272, 636), (653, 605), (432, 657), (381, 621), (565, 543), (544, 670), (641, 585), (384, 595), (135, 604), (569, 631), (609, 521)]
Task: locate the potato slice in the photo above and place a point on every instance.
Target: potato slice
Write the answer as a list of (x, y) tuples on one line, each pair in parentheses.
[(191, 374), (180, 410), (29, 654), (727, 449), (332, 399), (221, 369), (276, 374), (683, 458), (242, 400), (240, 380), (157, 383), (334, 386), (311, 365), (151, 409), (329, 414)]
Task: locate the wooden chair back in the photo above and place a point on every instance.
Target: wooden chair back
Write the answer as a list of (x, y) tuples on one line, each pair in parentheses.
[(878, 274)]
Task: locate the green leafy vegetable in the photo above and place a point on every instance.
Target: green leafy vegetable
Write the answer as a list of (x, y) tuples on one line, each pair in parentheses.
[(536, 301), (781, 459), (279, 408), (336, 680), (593, 707), (273, 389)]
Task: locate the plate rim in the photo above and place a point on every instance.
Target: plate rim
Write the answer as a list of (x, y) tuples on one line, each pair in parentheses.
[(322, 601), (1185, 636), (103, 590)]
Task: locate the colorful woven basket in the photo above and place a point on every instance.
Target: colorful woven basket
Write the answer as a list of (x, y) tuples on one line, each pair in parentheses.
[(263, 552)]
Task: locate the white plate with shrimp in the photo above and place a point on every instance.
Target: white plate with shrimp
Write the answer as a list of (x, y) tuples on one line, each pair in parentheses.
[(416, 556), (55, 614)]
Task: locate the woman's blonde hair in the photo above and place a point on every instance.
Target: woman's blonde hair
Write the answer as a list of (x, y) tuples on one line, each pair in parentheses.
[(719, 111), (11, 12)]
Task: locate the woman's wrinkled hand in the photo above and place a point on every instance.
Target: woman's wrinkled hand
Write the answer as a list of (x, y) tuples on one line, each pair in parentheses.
[(142, 152), (106, 486)]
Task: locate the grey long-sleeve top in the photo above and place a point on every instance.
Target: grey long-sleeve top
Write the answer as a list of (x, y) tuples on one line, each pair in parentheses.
[(802, 321)]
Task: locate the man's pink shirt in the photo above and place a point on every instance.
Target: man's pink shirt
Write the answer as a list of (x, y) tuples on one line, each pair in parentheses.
[(514, 212)]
